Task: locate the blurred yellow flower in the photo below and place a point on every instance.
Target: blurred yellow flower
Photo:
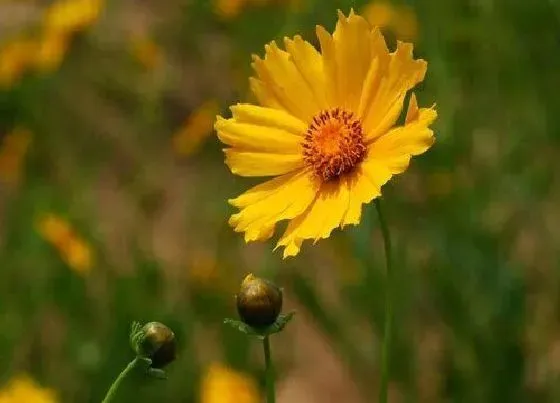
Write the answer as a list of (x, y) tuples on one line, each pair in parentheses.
[(50, 52), (221, 384), (45, 53), (326, 129), (229, 9), (12, 154), (146, 52), (77, 254), (401, 19), (22, 389), (379, 14), (15, 56), (72, 15), (196, 129), (74, 251)]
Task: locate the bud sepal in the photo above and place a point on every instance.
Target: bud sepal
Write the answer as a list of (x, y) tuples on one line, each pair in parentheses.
[(261, 332)]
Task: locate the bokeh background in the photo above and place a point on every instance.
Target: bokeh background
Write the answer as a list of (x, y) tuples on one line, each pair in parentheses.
[(113, 208)]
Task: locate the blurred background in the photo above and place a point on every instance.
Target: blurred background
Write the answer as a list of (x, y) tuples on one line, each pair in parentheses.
[(113, 208)]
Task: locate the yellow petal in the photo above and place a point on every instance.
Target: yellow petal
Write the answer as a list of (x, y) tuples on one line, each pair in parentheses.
[(383, 109), (50, 51), (284, 81), (317, 222), (263, 94), (377, 70), (353, 58), (362, 190), (269, 117), (365, 185), (413, 112), (329, 64), (310, 64), (413, 138), (279, 199), (251, 137), (72, 15), (248, 163)]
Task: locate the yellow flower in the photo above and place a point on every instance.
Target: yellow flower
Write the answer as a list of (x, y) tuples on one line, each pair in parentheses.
[(228, 9), (196, 129), (23, 389), (72, 15), (74, 251), (50, 51), (399, 19), (325, 129), (224, 385), (54, 229), (12, 154), (14, 59), (379, 14), (77, 255)]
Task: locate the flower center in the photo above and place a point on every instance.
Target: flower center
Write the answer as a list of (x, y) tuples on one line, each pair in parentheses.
[(334, 143)]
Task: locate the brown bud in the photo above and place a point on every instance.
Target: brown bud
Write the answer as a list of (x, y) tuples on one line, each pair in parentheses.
[(158, 344), (259, 302)]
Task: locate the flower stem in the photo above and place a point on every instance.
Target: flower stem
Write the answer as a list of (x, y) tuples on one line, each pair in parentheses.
[(110, 397), (388, 325), (270, 391)]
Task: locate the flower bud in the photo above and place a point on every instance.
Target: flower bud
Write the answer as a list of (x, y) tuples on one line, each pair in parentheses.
[(158, 344), (259, 302)]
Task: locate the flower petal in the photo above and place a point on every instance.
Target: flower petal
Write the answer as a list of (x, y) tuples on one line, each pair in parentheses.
[(283, 80), (318, 221), (353, 58), (414, 138), (263, 94), (279, 199), (365, 185), (377, 69), (310, 64), (387, 156), (328, 55), (249, 163), (252, 137), (269, 117), (379, 112)]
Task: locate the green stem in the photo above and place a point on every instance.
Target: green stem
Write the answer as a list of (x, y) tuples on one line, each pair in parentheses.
[(110, 397), (388, 325), (270, 392)]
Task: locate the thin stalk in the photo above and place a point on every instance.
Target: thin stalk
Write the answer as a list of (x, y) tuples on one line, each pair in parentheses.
[(270, 390), (110, 397), (388, 325)]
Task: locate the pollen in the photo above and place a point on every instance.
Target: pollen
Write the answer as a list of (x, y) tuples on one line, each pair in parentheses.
[(334, 143)]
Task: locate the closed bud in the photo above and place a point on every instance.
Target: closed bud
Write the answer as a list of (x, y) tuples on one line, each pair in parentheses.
[(157, 343), (259, 302)]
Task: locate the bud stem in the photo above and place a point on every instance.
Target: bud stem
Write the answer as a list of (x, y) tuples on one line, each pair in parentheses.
[(110, 397), (388, 325), (270, 390)]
